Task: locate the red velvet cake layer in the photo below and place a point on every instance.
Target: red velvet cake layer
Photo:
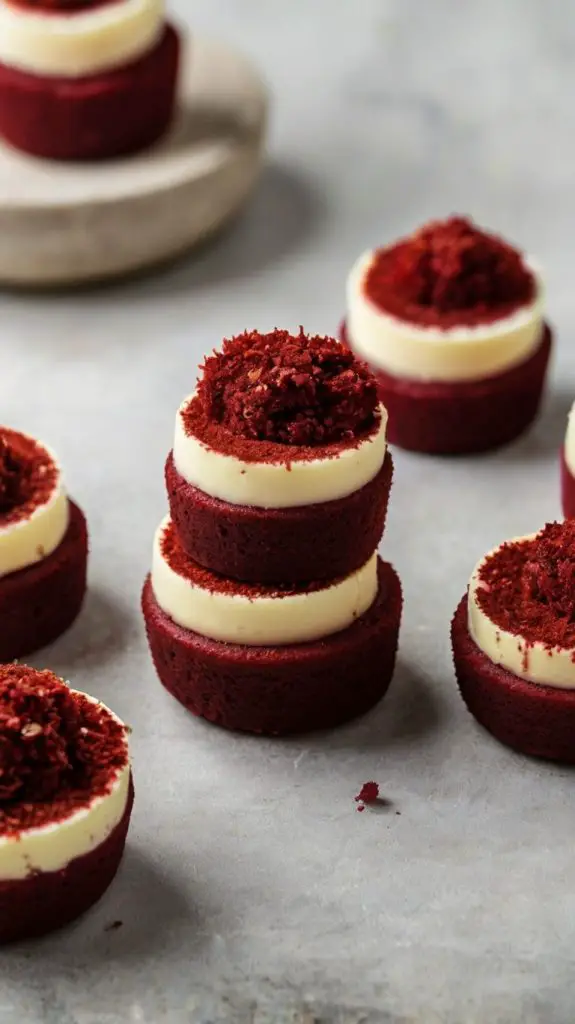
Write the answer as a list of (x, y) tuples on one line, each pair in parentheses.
[(279, 690), (567, 489), (293, 545), (40, 602), (533, 719), (98, 117), (45, 901), (464, 417)]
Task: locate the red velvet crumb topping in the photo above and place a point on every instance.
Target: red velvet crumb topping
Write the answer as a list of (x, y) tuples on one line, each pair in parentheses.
[(28, 476), (450, 274), (528, 586), (58, 750), (288, 389), (184, 566)]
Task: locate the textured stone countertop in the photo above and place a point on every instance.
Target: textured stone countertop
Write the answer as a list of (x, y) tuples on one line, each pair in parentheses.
[(251, 890)]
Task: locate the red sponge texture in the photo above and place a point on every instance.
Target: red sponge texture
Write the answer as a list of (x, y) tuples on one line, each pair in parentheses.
[(464, 417), (280, 690), (40, 602), (295, 545), (47, 900), (535, 720), (97, 117)]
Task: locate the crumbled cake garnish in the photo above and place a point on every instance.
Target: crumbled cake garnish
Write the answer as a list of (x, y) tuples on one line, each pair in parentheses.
[(528, 587), (448, 268), (14, 476), (288, 389), (58, 750), (368, 794), (28, 476)]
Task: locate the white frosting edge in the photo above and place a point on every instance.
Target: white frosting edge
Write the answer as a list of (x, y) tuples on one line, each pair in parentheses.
[(277, 485), (27, 541), (52, 847), (534, 662), (80, 43), (261, 621), (431, 354)]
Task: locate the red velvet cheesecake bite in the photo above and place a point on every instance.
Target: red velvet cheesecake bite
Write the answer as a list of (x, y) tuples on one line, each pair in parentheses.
[(270, 659), (568, 468), (43, 548), (86, 80), (451, 320), (513, 639), (279, 469), (66, 796)]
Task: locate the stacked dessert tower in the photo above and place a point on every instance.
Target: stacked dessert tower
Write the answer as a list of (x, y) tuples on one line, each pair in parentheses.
[(85, 79), (267, 609)]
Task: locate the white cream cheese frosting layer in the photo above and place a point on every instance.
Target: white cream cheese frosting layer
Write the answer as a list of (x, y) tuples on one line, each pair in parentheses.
[(28, 541), (261, 620), (277, 484), (79, 43), (430, 354), (53, 847), (569, 446), (535, 662)]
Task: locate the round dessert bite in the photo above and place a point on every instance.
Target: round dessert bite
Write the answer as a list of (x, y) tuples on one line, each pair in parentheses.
[(86, 81), (279, 470), (43, 548), (568, 468), (270, 659), (451, 321), (513, 639), (66, 796)]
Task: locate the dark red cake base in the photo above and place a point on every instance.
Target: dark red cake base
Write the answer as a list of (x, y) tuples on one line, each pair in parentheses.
[(43, 902), (257, 545), (464, 417), (40, 602), (535, 720), (567, 489), (98, 117), (279, 690)]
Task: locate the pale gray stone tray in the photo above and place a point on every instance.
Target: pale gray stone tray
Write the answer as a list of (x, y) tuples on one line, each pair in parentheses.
[(68, 224), (252, 890)]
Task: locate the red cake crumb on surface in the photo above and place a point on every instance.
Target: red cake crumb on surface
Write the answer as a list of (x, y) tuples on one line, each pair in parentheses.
[(280, 690), (97, 117), (567, 488), (38, 603), (536, 720), (465, 417), (528, 586), (58, 750), (288, 389), (368, 794), (28, 476), (448, 274), (265, 545)]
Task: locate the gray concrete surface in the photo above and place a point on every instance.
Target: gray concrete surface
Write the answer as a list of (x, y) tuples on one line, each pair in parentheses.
[(252, 891)]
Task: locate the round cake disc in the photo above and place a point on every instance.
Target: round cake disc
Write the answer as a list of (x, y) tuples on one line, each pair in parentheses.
[(70, 223)]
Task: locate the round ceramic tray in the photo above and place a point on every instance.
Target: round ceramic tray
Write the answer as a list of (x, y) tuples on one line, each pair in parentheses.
[(67, 224)]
